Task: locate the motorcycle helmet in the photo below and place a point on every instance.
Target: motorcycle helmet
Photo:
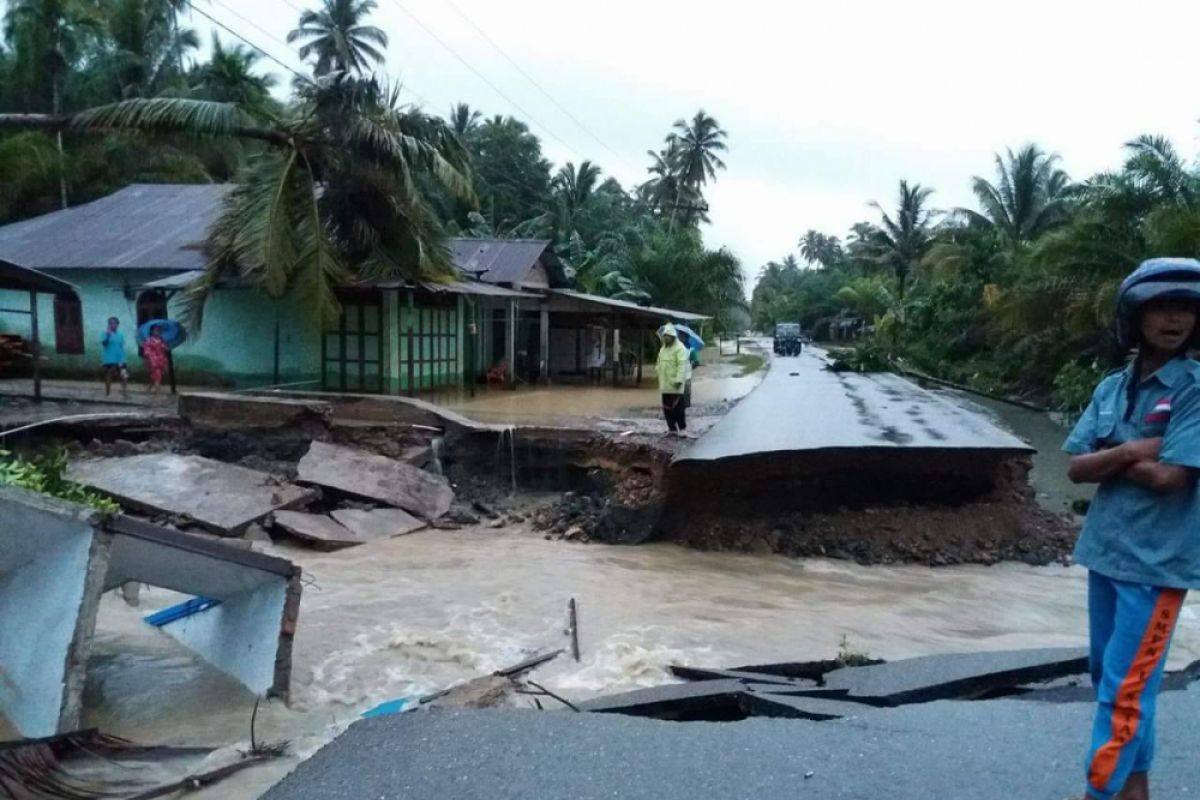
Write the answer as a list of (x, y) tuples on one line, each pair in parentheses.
[(1155, 278)]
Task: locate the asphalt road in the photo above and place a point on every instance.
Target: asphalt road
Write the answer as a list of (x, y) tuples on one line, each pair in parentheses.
[(801, 406), (981, 750)]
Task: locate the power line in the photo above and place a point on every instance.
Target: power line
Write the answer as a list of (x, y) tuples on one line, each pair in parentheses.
[(237, 35), (535, 84), (254, 25), (484, 78)]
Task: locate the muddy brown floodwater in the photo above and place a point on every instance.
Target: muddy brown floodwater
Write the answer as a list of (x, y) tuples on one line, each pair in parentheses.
[(410, 615)]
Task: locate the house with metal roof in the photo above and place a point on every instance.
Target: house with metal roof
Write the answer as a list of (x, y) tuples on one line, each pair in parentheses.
[(130, 255)]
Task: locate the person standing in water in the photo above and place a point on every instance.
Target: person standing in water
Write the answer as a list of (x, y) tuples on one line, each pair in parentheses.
[(112, 357), (672, 369), (1139, 439)]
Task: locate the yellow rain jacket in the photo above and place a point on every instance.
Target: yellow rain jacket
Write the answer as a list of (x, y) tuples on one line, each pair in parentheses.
[(672, 362)]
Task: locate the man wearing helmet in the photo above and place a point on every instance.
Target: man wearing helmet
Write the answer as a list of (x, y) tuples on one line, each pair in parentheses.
[(1139, 439)]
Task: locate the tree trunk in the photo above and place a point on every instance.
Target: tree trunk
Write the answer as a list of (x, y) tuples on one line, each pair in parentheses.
[(62, 161)]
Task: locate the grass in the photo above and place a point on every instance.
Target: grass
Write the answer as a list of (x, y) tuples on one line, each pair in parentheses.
[(749, 363)]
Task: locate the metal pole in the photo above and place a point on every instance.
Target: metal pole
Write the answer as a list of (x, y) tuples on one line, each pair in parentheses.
[(35, 346), (641, 353)]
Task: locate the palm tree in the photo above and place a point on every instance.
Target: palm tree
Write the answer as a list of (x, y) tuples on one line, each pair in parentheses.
[(901, 242), (338, 38), (334, 197), (695, 145), (464, 120), (150, 46), (47, 36), (229, 77), (1028, 199), (576, 186), (820, 248)]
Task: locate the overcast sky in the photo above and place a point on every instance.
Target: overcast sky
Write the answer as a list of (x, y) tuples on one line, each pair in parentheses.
[(827, 104)]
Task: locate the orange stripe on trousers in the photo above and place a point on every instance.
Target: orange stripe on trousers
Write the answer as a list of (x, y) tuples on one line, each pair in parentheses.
[(1127, 707)]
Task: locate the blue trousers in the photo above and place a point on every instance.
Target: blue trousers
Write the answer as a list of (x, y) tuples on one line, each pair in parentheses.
[(1131, 629)]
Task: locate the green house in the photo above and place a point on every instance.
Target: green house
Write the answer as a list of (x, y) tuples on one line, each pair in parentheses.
[(130, 255)]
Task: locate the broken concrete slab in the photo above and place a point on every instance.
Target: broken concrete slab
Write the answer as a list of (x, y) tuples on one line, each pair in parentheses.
[(818, 709), (224, 498), (707, 674), (808, 670), (318, 530), (991, 750), (921, 680), (706, 699), (57, 558), (376, 478), (227, 411), (381, 523)]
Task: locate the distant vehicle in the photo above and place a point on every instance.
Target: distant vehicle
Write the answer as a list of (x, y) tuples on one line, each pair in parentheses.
[(788, 341)]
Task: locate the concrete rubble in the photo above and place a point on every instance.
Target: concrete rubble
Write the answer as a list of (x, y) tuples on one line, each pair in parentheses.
[(318, 530), (379, 523), (57, 558), (224, 498), (377, 478)]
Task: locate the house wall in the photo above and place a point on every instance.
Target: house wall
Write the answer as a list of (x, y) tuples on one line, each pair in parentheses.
[(438, 343), (236, 344)]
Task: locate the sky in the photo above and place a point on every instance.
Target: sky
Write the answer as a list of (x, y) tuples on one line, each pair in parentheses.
[(827, 104)]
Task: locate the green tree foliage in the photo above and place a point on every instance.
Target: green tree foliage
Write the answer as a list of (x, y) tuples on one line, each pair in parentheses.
[(1016, 295), (512, 177), (337, 40)]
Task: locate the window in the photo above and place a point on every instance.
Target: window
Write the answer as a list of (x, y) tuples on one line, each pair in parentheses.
[(68, 324), (151, 305)]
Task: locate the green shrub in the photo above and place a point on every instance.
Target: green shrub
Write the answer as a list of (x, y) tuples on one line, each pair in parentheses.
[(45, 474), (1074, 384)]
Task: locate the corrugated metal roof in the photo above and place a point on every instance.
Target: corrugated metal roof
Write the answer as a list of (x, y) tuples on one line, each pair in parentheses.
[(453, 287), (22, 279), (143, 226), (649, 311), (498, 260)]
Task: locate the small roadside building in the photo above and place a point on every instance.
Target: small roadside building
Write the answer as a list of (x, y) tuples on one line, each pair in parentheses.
[(511, 312), (15, 282)]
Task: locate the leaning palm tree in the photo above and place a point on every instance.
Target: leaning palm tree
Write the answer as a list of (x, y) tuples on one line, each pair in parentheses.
[(338, 39), (903, 240), (335, 198), (1028, 199)]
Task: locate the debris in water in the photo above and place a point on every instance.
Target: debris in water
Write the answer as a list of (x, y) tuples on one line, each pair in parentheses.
[(318, 530), (378, 478), (223, 498)]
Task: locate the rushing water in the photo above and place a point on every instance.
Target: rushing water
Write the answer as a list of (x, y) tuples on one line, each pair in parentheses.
[(418, 613)]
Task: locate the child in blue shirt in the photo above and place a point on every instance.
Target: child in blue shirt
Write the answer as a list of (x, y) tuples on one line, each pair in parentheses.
[(1139, 439)]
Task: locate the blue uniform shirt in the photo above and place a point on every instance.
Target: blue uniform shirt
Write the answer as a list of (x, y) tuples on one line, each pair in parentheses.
[(113, 348), (1133, 533)]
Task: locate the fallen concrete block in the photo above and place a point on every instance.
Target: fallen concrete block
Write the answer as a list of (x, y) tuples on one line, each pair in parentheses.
[(704, 700), (382, 523), (224, 498), (377, 478), (318, 530), (961, 675), (707, 674), (57, 558), (224, 411), (765, 704)]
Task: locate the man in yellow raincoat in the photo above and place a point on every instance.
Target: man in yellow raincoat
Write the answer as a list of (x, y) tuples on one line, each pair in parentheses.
[(672, 375)]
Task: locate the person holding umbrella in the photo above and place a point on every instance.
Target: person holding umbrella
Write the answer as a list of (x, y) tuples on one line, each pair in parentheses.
[(155, 353)]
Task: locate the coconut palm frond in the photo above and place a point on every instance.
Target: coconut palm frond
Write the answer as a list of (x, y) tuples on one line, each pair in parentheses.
[(164, 115)]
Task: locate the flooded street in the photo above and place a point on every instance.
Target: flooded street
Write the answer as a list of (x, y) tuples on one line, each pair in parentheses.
[(411, 615)]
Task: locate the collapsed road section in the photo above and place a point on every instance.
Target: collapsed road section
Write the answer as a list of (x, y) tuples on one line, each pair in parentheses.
[(804, 465), (57, 558)]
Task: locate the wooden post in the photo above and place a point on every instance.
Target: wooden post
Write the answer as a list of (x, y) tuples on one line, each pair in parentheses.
[(641, 353), (35, 346), (510, 346), (411, 385), (616, 354), (171, 371), (275, 370), (573, 628), (544, 343)]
